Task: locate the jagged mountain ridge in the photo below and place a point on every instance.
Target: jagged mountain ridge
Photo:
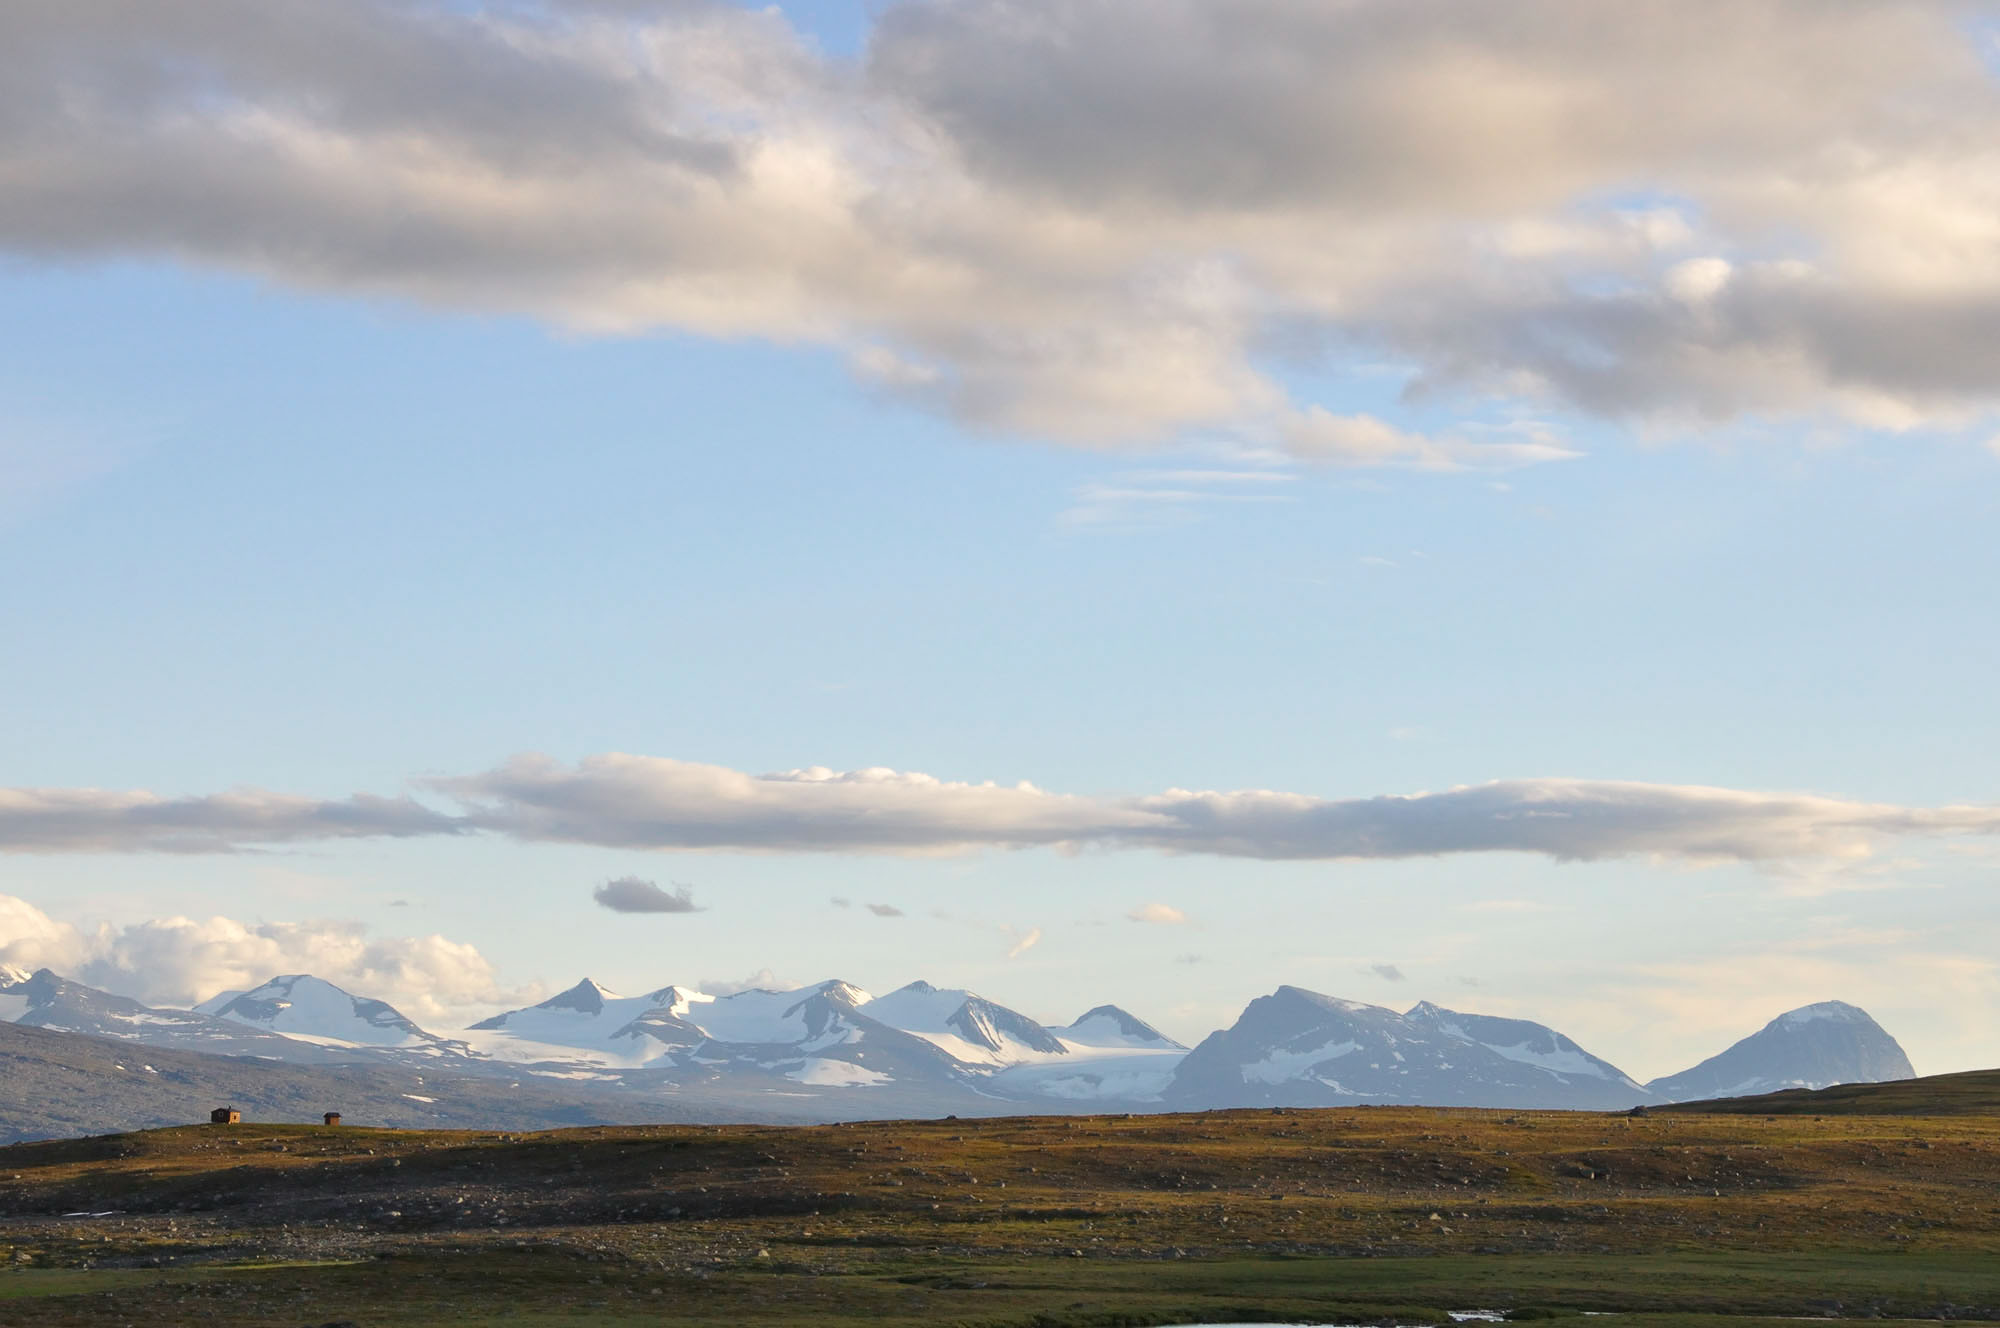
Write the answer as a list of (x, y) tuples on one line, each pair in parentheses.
[(1297, 1048), (45, 1000), (833, 1051)]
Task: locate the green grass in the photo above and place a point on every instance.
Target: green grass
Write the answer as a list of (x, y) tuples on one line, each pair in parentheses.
[(1358, 1216), (519, 1288)]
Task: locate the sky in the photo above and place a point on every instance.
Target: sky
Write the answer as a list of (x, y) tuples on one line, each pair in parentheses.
[(1091, 502)]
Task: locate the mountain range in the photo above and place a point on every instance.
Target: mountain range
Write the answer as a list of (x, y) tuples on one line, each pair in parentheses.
[(833, 1051)]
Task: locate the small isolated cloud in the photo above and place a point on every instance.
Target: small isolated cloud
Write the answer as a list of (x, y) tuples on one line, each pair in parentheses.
[(399, 903), (630, 894), (839, 902), (885, 910), (1187, 959), (1161, 914), (1026, 943), (1387, 972), (762, 980)]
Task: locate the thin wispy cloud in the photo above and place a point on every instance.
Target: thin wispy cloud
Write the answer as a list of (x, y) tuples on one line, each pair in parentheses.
[(105, 821), (1150, 499), (1158, 914), (641, 802), (885, 910)]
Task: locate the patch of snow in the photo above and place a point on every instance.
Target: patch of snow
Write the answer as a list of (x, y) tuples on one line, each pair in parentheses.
[(1110, 1028), (1277, 1067), (315, 1010), (217, 1001), (953, 1022), (419, 1097), (824, 1073), (1555, 1062), (1140, 1077)]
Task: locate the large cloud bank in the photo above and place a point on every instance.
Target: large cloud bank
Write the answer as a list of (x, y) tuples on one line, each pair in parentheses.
[(178, 961), (644, 802), (1091, 220)]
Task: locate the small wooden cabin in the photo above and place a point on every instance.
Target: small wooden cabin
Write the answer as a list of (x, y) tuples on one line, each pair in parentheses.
[(225, 1116), (333, 1118)]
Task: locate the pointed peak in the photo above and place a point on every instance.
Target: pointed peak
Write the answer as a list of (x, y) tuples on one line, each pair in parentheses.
[(918, 988), (586, 997), (1121, 1025)]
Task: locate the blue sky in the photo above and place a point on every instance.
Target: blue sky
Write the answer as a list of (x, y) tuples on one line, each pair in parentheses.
[(283, 532)]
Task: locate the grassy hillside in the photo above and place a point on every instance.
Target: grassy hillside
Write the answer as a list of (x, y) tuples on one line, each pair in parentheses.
[(1974, 1092), (1324, 1215)]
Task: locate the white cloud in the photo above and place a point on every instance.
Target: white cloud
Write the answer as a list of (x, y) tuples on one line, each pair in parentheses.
[(1028, 941), (762, 980), (641, 802), (1160, 914), (1317, 434), (652, 802), (647, 802), (178, 961), (1091, 220)]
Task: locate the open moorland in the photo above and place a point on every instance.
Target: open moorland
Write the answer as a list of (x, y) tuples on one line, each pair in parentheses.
[(1359, 1215)]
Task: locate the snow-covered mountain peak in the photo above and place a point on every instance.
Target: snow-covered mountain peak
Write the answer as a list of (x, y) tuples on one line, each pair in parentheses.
[(1519, 1040), (967, 1027), (844, 992), (1107, 1026), (586, 997), (312, 1009), (1810, 1047), (13, 977), (1838, 1011), (1334, 1003)]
